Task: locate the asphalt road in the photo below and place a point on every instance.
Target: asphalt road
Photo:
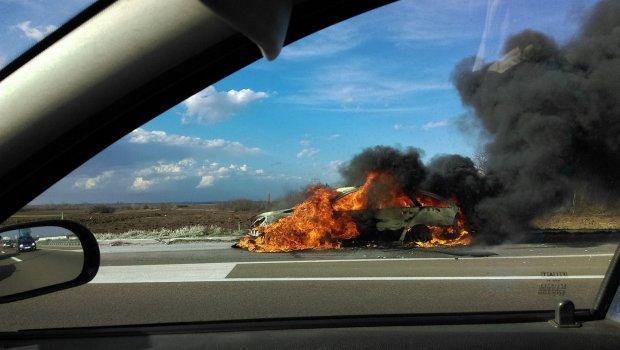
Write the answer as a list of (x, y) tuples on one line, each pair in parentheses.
[(36, 269), (199, 282)]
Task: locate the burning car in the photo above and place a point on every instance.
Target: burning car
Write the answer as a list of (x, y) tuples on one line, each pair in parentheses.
[(268, 218), (379, 210), (410, 222)]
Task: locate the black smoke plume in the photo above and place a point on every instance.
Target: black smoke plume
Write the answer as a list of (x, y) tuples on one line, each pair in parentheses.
[(405, 165), (552, 115)]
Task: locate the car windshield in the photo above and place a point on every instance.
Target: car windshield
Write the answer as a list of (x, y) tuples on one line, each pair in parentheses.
[(434, 157)]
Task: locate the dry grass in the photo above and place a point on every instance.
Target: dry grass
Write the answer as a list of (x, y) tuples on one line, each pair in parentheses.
[(163, 233), (145, 217)]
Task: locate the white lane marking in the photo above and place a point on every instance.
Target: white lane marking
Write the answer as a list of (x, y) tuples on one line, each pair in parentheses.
[(2, 251), (411, 278), (163, 273), (218, 273), (432, 259), (16, 259)]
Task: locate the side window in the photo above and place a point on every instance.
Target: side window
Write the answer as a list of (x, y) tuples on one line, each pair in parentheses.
[(461, 109), (434, 132)]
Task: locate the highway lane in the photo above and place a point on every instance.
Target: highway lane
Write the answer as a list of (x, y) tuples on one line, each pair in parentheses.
[(39, 268), (222, 283), (214, 252)]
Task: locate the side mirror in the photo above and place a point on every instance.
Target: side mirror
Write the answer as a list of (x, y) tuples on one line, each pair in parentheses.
[(45, 256)]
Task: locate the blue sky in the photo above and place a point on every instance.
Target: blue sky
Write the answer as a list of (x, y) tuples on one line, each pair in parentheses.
[(381, 78)]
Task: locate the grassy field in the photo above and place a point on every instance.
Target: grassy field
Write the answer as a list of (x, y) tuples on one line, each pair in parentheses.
[(579, 221), (228, 218), (117, 219)]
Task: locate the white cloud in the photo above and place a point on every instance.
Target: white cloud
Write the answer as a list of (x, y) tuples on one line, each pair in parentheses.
[(140, 184), (168, 171), (210, 105), (167, 168), (35, 33), (206, 181), (307, 152), (359, 85), (404, 127), (217, 171), (222, 172), (208, 172), (187, 162), (430, 21), (335, 164), (334, 136), (341, 37), (427, 21), (88, 183), (368, 110), (435, 124), (286, 177), (142, 136), (304, 142)]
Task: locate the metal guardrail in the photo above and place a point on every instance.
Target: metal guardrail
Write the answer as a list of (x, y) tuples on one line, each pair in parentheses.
[(59, 242)]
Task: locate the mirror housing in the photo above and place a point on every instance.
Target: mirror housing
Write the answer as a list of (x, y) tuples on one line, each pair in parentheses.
[(265, 22), (91, 258)]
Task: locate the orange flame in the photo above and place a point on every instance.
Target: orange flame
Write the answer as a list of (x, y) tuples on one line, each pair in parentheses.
[(380, 190), (457, 235), (448, 236), (322, 221), (313, 225)]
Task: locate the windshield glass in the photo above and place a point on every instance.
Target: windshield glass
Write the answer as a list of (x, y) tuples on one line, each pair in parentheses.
[(423, 157), (23, 23), (24, 239)]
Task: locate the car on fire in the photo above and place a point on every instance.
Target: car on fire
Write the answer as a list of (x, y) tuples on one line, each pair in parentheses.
[(401, 223)]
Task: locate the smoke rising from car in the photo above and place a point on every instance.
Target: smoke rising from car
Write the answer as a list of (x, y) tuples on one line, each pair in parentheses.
[(551, 114), (553, 119), (405, 165)]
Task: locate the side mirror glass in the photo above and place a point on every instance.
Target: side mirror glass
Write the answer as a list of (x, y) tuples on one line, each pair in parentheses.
[(46, 256)]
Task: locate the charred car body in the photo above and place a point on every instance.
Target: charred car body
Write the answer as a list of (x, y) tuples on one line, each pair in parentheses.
[(399, 223)]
